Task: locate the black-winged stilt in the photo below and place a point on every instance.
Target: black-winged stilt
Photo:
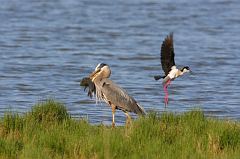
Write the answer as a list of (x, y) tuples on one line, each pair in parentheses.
[(168, 65)]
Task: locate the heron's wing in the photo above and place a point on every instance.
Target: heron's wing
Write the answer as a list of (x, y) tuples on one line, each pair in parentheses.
[(167, 54), (120, 98), (87, 83)]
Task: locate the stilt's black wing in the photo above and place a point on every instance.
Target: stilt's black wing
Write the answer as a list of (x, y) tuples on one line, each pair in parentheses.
[(167, 54)]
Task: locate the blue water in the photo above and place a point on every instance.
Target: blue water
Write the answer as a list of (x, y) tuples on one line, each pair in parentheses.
[(46, 47)]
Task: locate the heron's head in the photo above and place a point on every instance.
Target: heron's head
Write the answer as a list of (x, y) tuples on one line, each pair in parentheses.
[(101, 71), (185, 69)]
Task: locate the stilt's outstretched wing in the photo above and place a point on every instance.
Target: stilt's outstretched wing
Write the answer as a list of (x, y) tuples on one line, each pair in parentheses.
[(167, 54)]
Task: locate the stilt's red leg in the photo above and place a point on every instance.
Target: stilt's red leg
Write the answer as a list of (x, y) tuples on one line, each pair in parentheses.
[(166, 92)]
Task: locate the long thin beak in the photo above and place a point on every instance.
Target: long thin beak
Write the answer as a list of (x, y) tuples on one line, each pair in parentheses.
[(92, 75), (191, 72)]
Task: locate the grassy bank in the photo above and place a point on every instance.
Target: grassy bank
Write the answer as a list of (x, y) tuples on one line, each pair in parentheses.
[(47, 131)]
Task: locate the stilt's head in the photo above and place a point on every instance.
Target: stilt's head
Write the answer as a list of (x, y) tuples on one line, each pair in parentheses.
[(185, 69)]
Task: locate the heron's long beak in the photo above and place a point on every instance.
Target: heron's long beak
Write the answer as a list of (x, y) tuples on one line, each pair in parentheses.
[(93, 74)]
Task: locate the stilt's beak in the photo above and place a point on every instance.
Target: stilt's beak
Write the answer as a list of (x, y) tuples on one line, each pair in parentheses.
[(191, 72), (94, 73)]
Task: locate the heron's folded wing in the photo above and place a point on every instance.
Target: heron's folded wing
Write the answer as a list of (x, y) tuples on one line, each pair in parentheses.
[(120, 98)]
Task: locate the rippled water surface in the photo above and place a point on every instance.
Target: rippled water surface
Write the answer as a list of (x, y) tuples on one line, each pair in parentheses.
[(46, 47)]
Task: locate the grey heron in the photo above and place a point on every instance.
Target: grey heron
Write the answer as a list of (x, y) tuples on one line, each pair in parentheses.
[(168, 65), (108, 91)]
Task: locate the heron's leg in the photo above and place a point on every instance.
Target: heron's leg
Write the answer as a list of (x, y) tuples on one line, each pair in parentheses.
[(166, 92), (113, 115), (128, 118)]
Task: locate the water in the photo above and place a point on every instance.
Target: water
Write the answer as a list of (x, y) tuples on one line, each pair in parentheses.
[(46, 47)]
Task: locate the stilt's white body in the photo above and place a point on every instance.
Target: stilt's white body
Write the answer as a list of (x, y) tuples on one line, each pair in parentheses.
[(173, 73)]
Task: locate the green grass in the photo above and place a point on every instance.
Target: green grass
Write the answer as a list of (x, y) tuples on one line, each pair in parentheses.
[(48, 131)]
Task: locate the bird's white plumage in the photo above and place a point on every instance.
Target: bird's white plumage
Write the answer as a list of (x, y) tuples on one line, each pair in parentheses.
[(97, 66), (172, 74), (173, 67)]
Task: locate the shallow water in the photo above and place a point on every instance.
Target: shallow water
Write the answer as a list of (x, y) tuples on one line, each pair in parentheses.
[(46, 47)]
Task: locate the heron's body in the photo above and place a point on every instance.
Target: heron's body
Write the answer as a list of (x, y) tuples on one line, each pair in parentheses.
[(115, 96), (168, 65)]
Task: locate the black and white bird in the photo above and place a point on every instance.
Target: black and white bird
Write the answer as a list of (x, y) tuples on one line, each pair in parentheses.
[(168, 65)]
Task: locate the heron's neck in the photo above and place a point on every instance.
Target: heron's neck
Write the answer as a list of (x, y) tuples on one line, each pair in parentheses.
[(102, 75), (98, 78), (98, 84)]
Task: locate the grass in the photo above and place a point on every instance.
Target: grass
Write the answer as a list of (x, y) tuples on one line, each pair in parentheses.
[(48, 131)]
